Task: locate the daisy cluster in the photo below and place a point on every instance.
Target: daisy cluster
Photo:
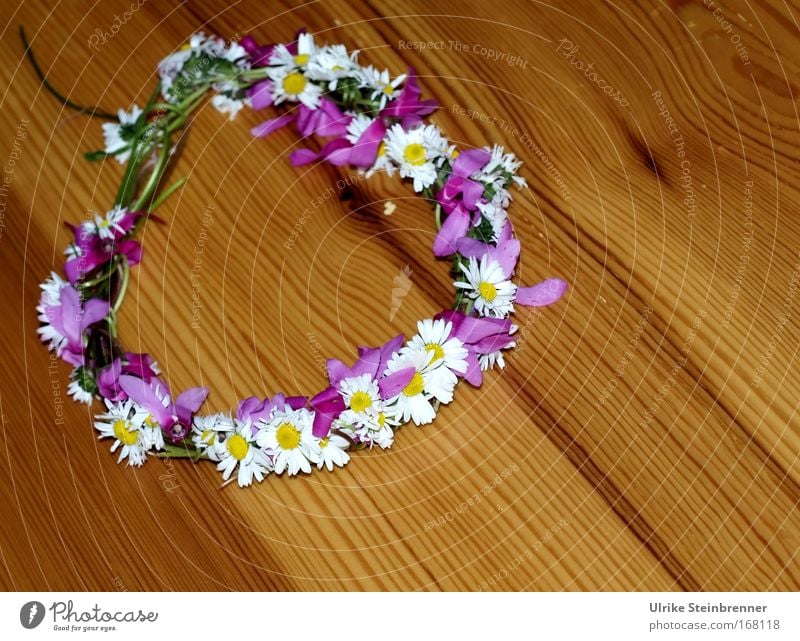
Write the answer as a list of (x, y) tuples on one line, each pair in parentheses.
[(363, 118)]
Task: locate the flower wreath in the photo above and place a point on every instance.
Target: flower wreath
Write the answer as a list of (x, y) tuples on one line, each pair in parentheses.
[(369, 121)]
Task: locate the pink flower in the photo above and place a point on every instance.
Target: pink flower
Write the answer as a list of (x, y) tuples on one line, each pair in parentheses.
[(139, 365), (90, 250), (459, 188), (68, 321), (407, 106), (328, 404), (175, 418)]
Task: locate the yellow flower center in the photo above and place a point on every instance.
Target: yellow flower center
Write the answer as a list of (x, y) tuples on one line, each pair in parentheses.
[(104, 223), (337, 68), (360, 401), (323, 443), (487, 291), (388, 90), (382, 149), (414, 154), (186, 46), (381, 419), (301, 58), (237, 446), (288, 436), (207, 437), (456, 154), (150, 421), (437, 350), (415, 385), (123, 434), (294, 83)]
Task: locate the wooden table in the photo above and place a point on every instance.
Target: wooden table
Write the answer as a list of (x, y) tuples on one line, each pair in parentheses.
[(643, 436)]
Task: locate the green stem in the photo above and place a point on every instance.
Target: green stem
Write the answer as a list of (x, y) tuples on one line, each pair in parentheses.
[(92, 111), (125, 268), (168, 192)]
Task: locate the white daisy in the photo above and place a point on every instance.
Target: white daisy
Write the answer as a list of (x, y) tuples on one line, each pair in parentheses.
[(51, 297), (119, 135), (109, 223), (208, 432), (414, 401), (331, 63), (362, 398), (358, 125), (291, 85), (487, 285), (306, 49), (496, 214), (238, 449), (122, 423), (501, 168), (76, 391), (434, 337), (383, 88), (288, 438), (332, 452), (227, 105), (416, 152)]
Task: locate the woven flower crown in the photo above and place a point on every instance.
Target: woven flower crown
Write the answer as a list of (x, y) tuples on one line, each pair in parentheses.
[(366, 120)]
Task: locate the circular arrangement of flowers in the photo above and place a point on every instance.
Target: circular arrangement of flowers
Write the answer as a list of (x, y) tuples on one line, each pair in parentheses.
[(365, 119)]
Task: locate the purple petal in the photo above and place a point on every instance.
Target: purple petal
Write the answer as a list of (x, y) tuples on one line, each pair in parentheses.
[(473, 375), (145, 395), (366, 148), (392, 384), (266, 128), (545, 293), (94, 311), (192, 399), (454, 227), (260, 95)]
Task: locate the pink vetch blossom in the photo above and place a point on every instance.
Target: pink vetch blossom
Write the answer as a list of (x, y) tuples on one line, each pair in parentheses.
[(506, 253), (70, 319), (340, 151), (259, 55), (459, 188), (91, 251), (254, 409), (139, 365), (175, 418), (326, 120), (328, 404), (407, 107), (480, 336)]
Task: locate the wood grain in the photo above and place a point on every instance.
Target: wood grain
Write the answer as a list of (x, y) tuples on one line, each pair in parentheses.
[(643, 437)]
